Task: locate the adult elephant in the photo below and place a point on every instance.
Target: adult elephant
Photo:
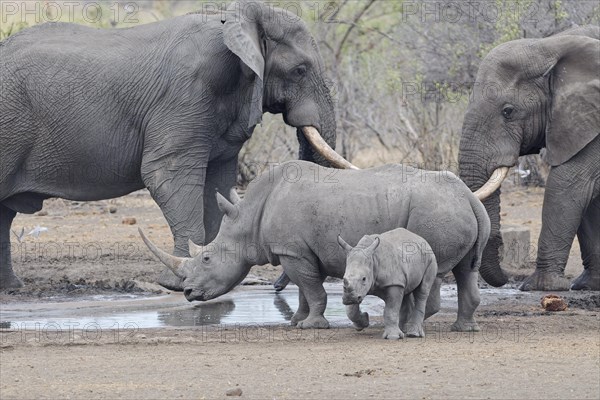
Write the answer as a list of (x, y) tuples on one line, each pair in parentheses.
[(90, 114), (532, 94)]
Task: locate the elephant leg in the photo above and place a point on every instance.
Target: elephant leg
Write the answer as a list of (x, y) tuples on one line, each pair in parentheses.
[(8, 279), (306, 275), (468, 296), (434, 301), (221, 176), (589, 242), (565, 202), (176, 183), (302, 311)]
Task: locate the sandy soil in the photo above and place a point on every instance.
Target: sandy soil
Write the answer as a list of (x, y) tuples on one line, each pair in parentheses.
[(522, 351)]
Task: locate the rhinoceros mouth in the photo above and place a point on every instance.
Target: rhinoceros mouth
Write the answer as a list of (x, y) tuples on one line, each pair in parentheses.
[(192, 294), (349, 300)]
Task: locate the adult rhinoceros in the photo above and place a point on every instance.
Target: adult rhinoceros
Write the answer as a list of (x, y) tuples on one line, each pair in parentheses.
[(292, 215)]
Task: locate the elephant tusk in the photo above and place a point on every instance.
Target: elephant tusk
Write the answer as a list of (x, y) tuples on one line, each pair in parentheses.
[(174, 263), (492, 184), (317, 142)]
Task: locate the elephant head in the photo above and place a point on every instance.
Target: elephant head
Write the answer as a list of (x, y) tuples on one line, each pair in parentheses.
[(358, 278), (529, 94), (277, 49)]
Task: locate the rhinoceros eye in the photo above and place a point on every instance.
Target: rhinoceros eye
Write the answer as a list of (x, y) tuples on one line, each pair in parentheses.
[(205, 259), (364, 279)]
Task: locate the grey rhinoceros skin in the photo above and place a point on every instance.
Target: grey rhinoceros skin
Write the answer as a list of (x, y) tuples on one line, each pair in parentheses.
[(292, 214), (392, 266)]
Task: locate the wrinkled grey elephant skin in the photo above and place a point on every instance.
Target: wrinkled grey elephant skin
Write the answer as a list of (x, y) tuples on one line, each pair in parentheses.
[(90, 114), (541, 96), (392, 266), (292, 215)]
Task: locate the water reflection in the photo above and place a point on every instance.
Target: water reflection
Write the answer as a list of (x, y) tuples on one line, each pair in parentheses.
[(282, 305), (245, 305), (198, 315)]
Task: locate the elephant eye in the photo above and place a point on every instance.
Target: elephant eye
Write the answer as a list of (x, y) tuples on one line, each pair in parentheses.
[(507, 111), (300, 71), (205, 259), (364, 279)]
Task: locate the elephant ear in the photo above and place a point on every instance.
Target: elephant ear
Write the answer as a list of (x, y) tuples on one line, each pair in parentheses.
[(242, 33), (575, 95)]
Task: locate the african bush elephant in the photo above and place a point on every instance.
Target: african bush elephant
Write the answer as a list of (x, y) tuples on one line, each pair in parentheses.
[(292, 215), (532, 94), (90, 114)]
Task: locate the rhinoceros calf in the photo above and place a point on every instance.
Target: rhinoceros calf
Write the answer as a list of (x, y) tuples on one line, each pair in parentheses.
[(390, 266), (292, 214)]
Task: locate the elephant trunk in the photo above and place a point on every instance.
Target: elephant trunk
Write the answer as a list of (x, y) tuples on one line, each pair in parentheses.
[(318, 144), (475, 176)]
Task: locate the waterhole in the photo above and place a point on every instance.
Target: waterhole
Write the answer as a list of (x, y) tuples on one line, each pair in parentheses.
[(244, 305)]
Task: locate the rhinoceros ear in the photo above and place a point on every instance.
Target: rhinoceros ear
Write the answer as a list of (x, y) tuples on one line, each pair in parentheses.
[(233, 196), (345, 246), (373, 246), (227, 208), (194, 248)]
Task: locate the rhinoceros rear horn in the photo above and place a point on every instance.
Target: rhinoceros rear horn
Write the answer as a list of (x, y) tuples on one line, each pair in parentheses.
[(174, 263)]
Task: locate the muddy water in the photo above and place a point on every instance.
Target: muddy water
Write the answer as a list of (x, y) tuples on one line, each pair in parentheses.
[(244, 305)]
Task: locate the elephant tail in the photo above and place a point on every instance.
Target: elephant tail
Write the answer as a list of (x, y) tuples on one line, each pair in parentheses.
[(483, 230)]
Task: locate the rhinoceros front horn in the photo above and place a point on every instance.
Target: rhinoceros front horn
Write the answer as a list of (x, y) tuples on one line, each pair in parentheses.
[(174, 263)]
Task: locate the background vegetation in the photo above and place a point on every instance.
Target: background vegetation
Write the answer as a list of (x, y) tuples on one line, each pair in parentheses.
[(400, 70)]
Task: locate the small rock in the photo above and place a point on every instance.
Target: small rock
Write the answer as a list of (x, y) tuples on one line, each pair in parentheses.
[(112, 209), (552, 302), (234, 392), (41, 213), (129, 221)]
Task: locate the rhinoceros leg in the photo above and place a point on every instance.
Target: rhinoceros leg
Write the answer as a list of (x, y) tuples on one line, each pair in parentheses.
[(394, 296), (414, 326), (434, 301), (303, 309), (359, 319), (306, 276), (281, 282), (468, 295)]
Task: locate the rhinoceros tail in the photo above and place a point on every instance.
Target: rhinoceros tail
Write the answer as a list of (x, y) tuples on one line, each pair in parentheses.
[(483, 230)]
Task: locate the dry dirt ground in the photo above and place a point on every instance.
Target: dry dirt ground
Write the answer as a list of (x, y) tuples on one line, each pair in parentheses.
[(522, 351)]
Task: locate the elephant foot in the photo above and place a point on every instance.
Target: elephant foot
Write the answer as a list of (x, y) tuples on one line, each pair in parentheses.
[(415, 330), (281, 282), (393, 333), (464, 326), (588, 280), (10, 282), (297, 317), (318, 322), (362, 322), (169, 281), (545, 281)]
